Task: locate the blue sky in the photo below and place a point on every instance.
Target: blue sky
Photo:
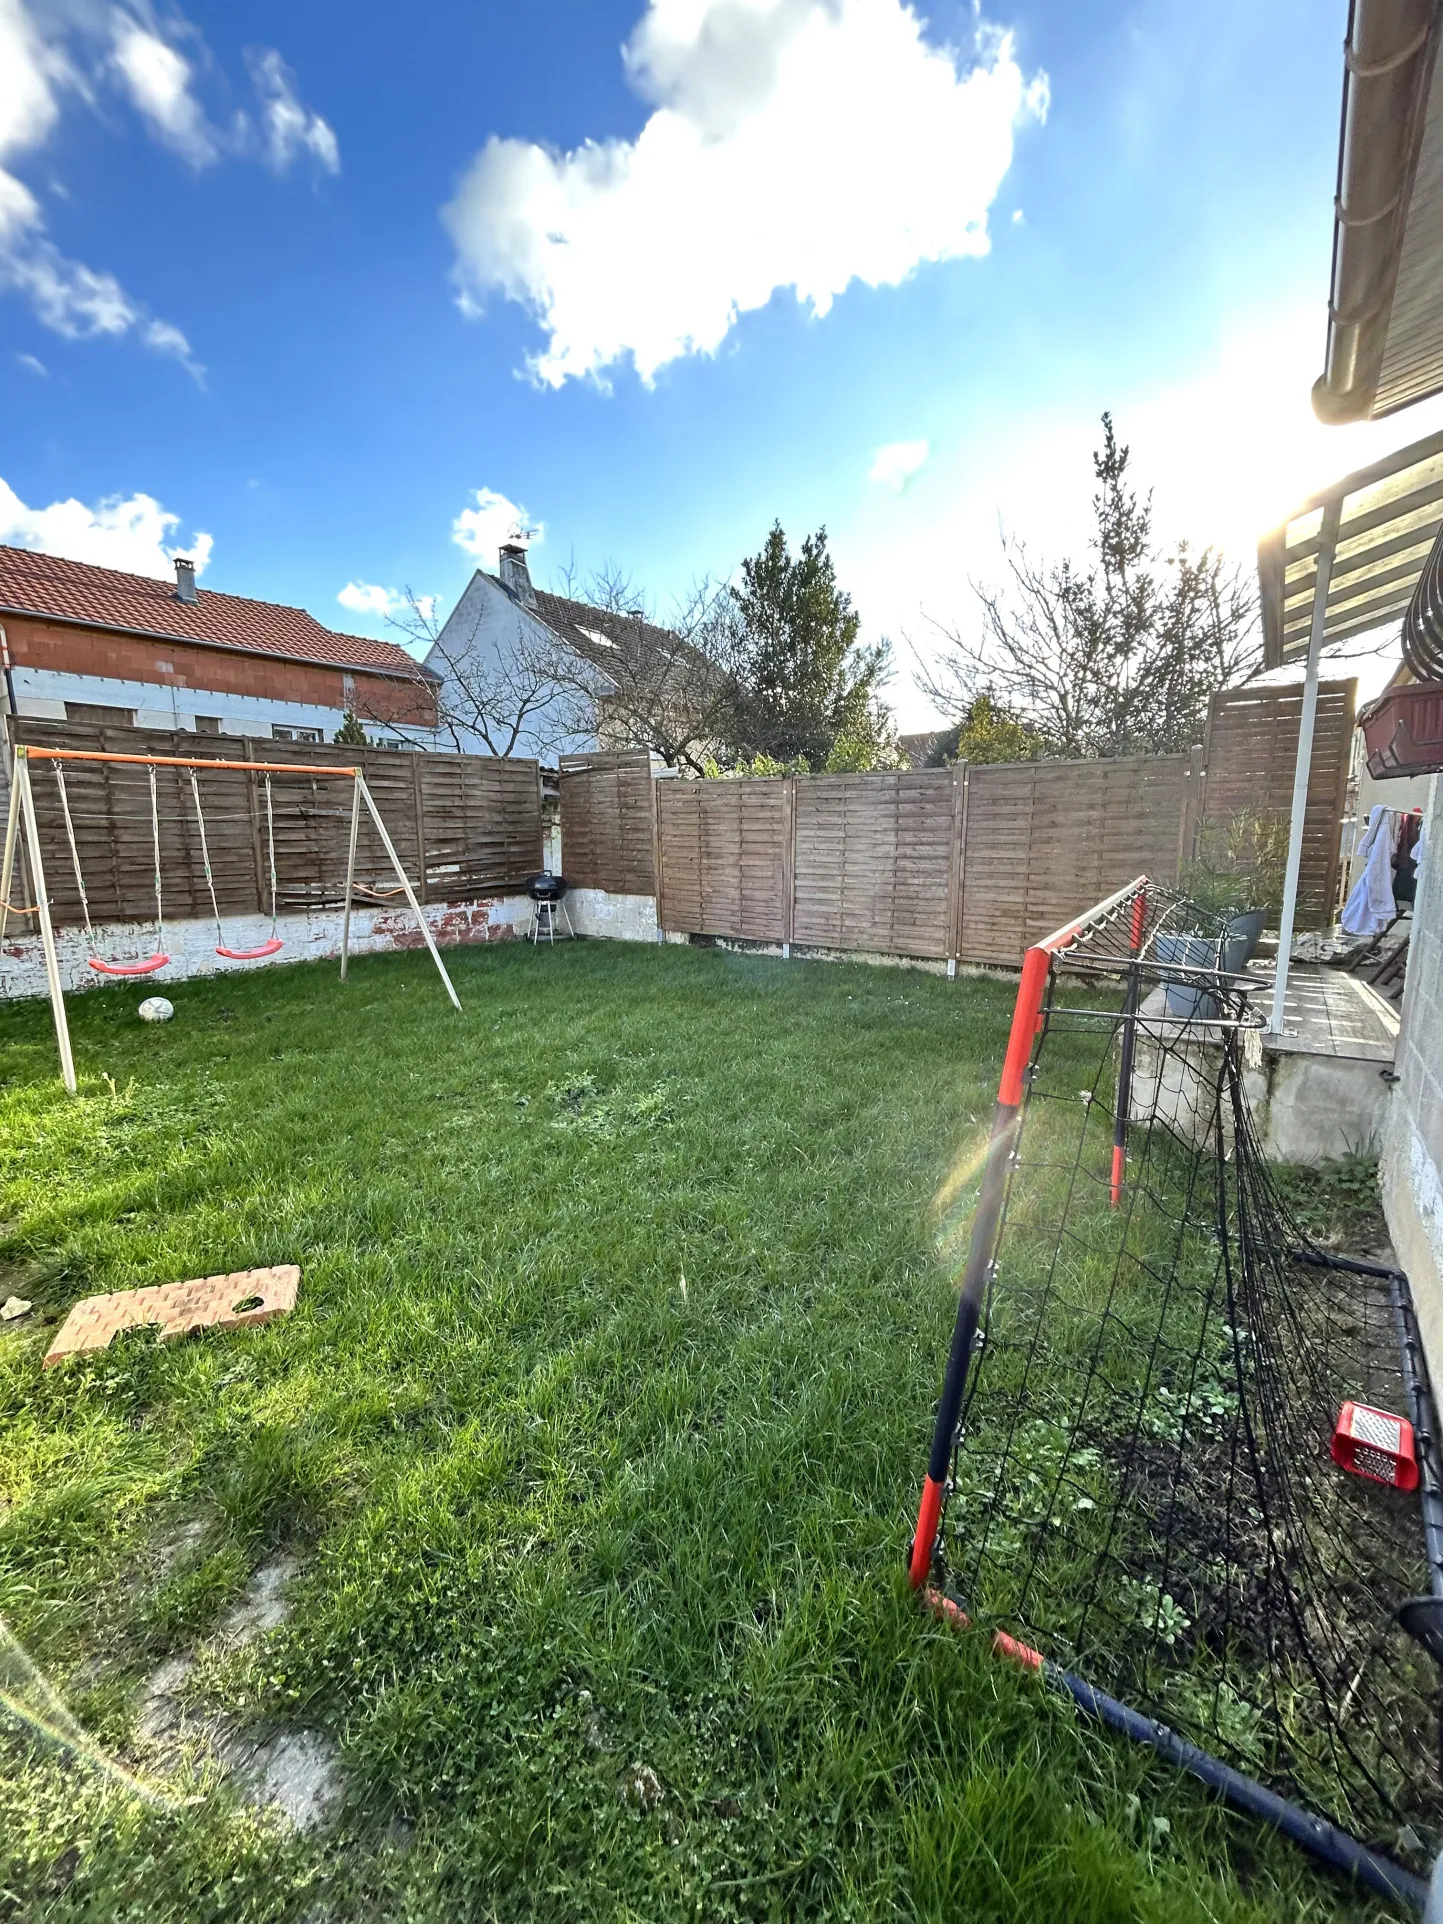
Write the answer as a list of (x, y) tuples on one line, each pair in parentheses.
[(334, 313)]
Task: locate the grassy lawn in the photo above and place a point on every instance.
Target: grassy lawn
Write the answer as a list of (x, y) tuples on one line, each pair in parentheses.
[(594, 1437)]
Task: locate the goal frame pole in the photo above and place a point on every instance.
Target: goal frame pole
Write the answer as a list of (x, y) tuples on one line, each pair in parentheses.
[(991, 1200)]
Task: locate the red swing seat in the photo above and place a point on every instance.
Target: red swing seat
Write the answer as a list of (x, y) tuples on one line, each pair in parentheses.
[(147, 967), (272, 947)]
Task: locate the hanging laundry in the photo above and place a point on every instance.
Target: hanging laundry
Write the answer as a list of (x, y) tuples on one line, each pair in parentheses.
[(1371, 906)]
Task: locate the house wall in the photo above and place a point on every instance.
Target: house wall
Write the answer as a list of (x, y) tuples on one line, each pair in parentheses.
[(484, 627), (165, 681), (1412, 1168)]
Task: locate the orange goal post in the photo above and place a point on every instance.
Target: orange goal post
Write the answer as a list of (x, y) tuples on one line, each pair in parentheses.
[(22, 818)]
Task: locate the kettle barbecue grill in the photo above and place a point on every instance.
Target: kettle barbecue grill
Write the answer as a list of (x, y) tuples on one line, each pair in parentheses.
[(547, 892)]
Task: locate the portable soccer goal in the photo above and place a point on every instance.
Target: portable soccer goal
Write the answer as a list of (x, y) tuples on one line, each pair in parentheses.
[(24, 819), (1184, 1463)]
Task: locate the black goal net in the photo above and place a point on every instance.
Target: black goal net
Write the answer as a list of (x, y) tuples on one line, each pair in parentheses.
[(1184, 1458)]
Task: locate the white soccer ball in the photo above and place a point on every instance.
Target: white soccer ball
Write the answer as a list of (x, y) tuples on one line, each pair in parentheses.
[(155, 1008)]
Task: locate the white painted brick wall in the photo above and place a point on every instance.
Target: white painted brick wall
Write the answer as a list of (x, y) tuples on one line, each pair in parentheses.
[(310, 936)]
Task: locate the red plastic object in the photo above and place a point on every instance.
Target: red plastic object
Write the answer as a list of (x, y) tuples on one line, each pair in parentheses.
[(1376, 1444), (253, 955), (147, 967), (1403, 731)]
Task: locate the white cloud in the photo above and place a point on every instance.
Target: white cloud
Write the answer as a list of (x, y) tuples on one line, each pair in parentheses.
[(895, 464), (798, 144), (45, 48), (33, 364), (290, 128), (365, 598), (130, 533), (482, 529), (157, 79), (386, 604)]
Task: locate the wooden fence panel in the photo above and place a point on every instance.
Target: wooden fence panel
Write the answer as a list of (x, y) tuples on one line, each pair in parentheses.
[(1046, 840), (724, 858), (463, 825), (607, 829), (1252, 751), (872, 862)]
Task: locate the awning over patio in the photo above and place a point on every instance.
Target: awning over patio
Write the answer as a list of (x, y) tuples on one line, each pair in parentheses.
[(1346, 561), (1385, 322), (1377, 526)]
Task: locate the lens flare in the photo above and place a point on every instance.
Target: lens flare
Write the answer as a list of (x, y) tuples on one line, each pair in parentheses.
[(26, 1694)]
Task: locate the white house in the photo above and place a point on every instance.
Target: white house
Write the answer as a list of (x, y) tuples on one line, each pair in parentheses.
[(540, 665)]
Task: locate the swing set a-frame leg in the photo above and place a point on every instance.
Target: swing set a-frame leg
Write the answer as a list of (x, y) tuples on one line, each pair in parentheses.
[(25, 799), (7, 867), (401, 877)]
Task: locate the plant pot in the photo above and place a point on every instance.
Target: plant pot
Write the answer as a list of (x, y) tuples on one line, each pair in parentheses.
[(1403, 731), (1244, 932), (1184, 998)]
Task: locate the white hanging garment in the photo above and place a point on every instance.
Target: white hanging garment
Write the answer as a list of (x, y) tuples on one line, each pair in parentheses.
[(1370, 906)]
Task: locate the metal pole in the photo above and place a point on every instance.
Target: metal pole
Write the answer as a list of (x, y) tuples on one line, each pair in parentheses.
[(7, 868), (981, 1250), (1327, 542), (47, 933), (402, 877), (350, 876)]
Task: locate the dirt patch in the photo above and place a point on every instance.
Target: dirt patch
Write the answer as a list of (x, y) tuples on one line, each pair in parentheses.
[(162, 1718), (264, 1606), (297, 1775), (294, 1773)]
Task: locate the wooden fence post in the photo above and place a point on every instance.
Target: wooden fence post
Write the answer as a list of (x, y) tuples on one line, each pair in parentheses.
[(418, 792), (789, 860), (248, 752), (656, 850), (956, 856), (1192, 811)]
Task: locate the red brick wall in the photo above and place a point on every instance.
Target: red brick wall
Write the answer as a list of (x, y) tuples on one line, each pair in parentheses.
[(181, 664)]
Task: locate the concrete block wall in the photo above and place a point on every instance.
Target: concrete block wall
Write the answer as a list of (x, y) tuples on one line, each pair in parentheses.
[(1412, 1169), (309, 936)]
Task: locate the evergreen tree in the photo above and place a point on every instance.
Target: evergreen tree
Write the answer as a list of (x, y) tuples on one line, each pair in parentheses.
[(350, 734), (987, 731), (804, 688)]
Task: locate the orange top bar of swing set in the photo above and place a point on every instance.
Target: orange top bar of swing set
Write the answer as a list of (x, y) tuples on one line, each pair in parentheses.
[(178, 761)]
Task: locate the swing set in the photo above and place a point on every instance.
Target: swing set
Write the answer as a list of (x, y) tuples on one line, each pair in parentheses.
[(23, 818)]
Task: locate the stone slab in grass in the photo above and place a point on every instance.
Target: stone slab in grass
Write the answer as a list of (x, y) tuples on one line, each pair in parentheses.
[(205, 1302)]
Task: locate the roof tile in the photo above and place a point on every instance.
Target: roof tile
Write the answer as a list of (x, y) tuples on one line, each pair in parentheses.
[(43, 584)]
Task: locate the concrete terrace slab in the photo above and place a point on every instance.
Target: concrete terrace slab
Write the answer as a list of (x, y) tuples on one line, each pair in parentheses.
[(1331, 1013)]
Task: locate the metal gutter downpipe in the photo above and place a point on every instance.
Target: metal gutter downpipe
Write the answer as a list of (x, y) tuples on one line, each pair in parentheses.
[(1327, 543)]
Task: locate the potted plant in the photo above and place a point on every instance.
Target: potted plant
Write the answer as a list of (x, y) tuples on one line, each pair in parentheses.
[(1237, 875)]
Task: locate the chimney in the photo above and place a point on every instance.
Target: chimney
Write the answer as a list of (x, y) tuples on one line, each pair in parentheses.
[(185, 589), (515, 575)]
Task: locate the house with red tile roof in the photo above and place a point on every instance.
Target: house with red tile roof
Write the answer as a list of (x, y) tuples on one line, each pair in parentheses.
[(83, 643)]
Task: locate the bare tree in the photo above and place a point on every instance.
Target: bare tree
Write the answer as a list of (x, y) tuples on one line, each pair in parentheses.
[(1116, 658), (526, 688), (663, 687)]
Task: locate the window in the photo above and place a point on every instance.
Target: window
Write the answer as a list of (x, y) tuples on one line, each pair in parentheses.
[(97, 711), (295, 734), (207, 724)]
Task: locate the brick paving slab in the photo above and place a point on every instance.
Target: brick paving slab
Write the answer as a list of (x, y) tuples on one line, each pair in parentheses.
[(205, 1302)]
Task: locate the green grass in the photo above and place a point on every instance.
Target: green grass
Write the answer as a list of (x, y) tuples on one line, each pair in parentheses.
[(597, 1431)]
